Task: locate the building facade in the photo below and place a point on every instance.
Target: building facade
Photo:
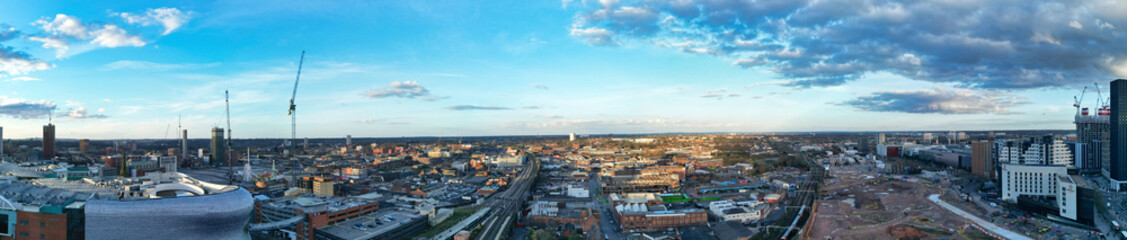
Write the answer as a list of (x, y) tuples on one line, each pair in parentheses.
[(1045, 150), (1076, 202), (982, 159), (638, 221), (1030, 180)]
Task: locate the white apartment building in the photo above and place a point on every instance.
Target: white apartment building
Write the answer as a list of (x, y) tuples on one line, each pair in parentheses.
[(1031, 180), (1036, 151)]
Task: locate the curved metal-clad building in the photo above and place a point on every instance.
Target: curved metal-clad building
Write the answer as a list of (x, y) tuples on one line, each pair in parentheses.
[(174, 212)]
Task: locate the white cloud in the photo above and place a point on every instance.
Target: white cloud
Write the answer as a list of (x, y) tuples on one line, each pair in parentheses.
[(64, 31), (595, 36), (56, 42), (22, 79), (113, 36), (170, 18), (81, 113), (64, 25), (406, 89), (539, 85)]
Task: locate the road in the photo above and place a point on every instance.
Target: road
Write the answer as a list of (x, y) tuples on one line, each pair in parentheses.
[(995, 229), (505, 206), (608, 225)]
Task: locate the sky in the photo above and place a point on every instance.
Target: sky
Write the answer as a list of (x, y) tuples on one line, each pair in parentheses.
[(142, 69)]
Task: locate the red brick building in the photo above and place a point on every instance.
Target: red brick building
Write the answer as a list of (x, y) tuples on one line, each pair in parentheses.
[(709, 163), (41, 225), (315, 219), (659, 221)]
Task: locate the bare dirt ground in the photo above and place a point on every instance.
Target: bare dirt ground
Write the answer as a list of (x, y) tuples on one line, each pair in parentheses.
[(865, 205)]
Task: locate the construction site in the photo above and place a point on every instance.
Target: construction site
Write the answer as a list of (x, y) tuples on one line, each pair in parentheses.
[(860, 202)]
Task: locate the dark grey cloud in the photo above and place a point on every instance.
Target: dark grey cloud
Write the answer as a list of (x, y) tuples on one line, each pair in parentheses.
[(475, 107), (14, 62), (407, 89), (24, 109), (942, 101), (987, 45)]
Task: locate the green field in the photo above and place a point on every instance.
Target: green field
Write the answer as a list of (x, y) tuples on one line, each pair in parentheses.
[(674, 198), (707, 199)]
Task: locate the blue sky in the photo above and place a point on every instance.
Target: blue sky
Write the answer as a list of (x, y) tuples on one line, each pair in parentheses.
[(128, 69)]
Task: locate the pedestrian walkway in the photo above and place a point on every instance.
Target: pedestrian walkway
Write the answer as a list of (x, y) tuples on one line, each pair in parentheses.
[(995, 229)]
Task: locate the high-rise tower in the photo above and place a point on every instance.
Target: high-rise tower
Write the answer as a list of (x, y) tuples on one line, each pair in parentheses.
[(184, 143), (218, 150), (1116, 169), (49, 141)]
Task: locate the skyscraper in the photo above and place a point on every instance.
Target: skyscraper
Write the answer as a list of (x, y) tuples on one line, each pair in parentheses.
[(1, 143), (571, 137), (83, 145), (49, 141), (348, 140), (880, 138), (1116, 169), (218, 150)]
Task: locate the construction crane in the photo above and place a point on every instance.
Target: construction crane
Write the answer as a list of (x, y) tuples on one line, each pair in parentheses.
[(293, 108), (230, 168), (1078, 100)]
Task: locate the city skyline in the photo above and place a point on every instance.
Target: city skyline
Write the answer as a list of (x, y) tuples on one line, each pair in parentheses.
[(130, 69)]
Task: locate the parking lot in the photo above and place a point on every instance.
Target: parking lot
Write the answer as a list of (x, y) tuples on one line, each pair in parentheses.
[(370, 225)]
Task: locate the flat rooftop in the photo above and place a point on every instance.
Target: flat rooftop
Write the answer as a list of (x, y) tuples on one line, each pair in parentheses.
[(345, 229)]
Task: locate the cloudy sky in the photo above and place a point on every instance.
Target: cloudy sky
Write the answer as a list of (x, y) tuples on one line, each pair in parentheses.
[(129, 69)]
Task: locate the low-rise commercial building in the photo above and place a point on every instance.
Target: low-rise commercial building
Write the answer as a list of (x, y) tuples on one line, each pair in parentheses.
[(637, 218)]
